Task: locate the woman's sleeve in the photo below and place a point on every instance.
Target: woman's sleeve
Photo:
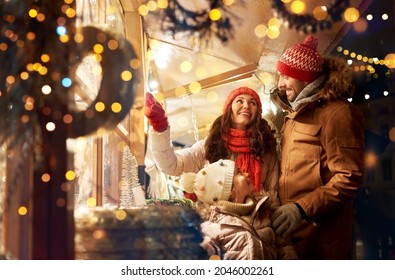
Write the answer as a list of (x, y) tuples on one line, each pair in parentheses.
[(175, 162)]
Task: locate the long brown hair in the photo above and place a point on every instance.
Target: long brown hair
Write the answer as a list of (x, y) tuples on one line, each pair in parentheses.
[(262, 138)]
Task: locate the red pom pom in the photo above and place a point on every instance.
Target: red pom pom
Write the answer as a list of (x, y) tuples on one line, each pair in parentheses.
[(311, 41)]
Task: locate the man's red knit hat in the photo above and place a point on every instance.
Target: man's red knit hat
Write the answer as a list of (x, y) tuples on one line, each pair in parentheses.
[(302, 61), (242, 90)]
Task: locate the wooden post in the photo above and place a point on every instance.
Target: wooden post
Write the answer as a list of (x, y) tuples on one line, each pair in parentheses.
[(53, 221)]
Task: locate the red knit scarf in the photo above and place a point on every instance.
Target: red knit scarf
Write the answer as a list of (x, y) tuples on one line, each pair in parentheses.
[(238, 142)]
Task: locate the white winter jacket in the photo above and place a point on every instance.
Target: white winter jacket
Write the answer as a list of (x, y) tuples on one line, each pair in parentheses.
[(192, 159)]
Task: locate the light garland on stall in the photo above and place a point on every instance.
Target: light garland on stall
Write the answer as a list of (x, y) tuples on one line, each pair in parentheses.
[(308, 23), (368, 63)]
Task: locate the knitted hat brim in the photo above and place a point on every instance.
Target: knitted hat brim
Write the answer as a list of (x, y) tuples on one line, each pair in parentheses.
[(298, 74)]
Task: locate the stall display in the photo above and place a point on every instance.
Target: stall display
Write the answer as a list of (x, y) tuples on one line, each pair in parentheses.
[(155, 232)]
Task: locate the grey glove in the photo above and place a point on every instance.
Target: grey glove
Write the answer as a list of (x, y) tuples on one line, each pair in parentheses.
[(285, 218)]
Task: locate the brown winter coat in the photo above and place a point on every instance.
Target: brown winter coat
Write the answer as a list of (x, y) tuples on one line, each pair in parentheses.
[(322, 167)]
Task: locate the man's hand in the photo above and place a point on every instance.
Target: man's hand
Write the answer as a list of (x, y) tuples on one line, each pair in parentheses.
[(285, 218)]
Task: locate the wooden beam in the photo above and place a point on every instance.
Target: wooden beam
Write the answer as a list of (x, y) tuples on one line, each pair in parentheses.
[(213, 81)]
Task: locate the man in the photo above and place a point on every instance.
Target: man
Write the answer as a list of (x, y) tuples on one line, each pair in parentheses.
[(322, 152)]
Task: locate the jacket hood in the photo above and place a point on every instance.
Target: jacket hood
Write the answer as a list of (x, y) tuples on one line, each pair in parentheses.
[(339, 83)]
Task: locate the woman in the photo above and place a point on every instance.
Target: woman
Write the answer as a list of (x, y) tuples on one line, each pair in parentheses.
[(239, 133)]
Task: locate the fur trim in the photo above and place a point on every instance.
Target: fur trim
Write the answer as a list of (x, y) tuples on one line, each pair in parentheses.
[(339, 83), (187, 182)]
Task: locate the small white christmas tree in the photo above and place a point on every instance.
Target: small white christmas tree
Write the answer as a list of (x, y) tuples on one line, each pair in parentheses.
[(132, 194)]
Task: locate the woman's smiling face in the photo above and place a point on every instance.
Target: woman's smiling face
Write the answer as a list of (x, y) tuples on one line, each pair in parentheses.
[(244, 111)]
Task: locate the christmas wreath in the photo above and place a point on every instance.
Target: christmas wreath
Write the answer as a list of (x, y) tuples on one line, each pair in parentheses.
[(307, 23)]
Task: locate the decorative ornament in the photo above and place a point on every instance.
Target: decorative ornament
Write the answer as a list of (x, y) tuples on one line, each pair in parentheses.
[(197, 24), (21, 85), (132, 194), (307, 23)]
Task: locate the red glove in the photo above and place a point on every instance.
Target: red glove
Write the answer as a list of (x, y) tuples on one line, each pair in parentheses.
[(191, 196), (155, 113)]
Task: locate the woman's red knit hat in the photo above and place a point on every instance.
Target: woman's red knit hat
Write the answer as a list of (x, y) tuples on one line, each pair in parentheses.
[(302, 61), (242, 90)]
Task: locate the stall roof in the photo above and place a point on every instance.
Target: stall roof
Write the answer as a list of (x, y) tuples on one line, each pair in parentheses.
[(178, 62)]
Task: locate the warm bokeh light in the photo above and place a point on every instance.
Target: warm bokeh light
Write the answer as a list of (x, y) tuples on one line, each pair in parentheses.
[(50, 126), (25, 119), (351, 15), (260, 30), (22, 210), (91, 202), (98, 234), (143, 10), (116, 107), (273, 32), (360, 25), (152, 5), (320, 12), (45, 177), (135, 63), (162, 4), (67, 118), (100, 106), (126, 75), (64, 38), (370, 159), (98, 48), (215, 14), (120, 215), (29, 105), (45, 58), (61, 202), (32, 13), (274, 22), (113, 44), (78, 38), (298, 7), (10, 80), (390, 60), (70, 175), (180, 91), (70, 12), (65, 187), (195, 87), (185, 66), (46, 89)]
